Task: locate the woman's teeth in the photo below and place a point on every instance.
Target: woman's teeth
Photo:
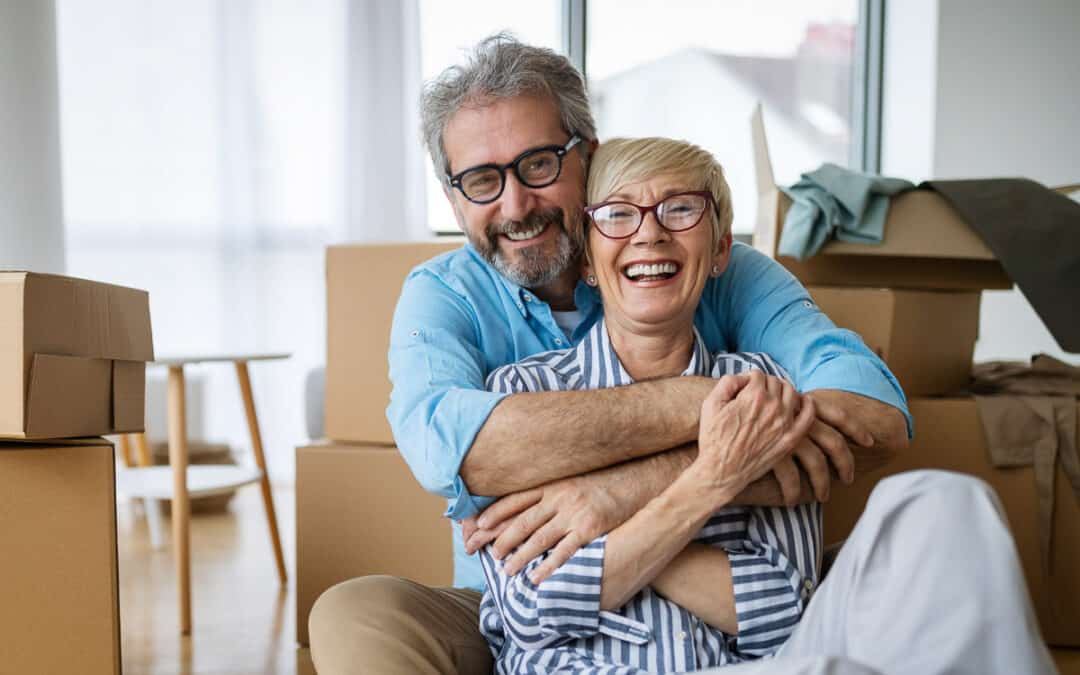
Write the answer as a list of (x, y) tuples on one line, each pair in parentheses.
[(652, 270), (525, 234)]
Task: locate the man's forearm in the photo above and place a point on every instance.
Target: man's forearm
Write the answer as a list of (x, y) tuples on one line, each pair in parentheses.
[(534, 438)]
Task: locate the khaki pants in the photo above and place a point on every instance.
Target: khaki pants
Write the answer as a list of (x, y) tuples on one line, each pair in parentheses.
[(383, 625)]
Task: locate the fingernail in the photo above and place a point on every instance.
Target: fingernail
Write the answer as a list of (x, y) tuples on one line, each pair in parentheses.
[(481, 522)]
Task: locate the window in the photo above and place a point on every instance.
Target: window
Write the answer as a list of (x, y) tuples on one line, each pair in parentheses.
[(694, 69)]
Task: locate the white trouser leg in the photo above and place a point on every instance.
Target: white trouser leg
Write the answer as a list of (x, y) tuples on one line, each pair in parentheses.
[(929, 582), (802, 665)]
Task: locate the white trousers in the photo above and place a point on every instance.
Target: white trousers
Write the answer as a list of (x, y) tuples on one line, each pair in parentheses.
[(928, 582)]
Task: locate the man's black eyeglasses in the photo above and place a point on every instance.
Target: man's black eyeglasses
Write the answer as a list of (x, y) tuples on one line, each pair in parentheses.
[(535, 168)]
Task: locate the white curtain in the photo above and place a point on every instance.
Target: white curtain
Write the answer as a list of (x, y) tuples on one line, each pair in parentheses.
[(212, 149)]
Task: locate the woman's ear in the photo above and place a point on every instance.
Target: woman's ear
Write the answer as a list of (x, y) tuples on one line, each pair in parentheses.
[(723, 255)]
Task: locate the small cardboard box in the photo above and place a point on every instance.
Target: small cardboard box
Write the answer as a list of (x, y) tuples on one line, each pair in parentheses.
[(363, 282), (949, 435), (73, 356), (926, 244), (894, 323), (359, 511), (59, 607)]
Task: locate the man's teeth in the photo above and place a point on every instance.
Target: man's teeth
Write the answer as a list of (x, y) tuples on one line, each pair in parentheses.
[(525, 234), (640, 270)]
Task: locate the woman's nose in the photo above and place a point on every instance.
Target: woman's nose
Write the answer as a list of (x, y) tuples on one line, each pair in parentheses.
[(651, 231)]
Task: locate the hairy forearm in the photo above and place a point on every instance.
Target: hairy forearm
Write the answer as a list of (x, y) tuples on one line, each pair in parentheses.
[(580, 431), (698, 579)]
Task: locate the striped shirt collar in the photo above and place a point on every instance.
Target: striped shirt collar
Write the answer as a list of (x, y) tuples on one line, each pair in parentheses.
[(600, 365)]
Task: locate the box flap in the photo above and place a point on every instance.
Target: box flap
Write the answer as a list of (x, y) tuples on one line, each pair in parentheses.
[(128, 396), (76, 317), (68, 396)]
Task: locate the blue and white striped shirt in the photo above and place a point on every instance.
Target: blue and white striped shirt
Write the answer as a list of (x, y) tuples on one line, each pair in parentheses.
[(558, 627)]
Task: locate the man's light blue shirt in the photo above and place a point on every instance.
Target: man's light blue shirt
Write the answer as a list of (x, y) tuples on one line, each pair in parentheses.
[(458, 319)]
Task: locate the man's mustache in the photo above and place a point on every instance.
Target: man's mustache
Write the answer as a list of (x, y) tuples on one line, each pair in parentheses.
[(552, 216)]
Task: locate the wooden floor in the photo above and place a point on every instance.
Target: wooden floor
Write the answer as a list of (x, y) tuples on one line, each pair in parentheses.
[(244, 622)]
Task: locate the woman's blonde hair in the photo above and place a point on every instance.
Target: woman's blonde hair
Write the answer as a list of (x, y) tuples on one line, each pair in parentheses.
[(629, 160)]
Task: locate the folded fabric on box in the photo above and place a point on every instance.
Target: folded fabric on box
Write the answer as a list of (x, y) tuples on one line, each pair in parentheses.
[(1035, 233), (836, 202), (1028, 413)]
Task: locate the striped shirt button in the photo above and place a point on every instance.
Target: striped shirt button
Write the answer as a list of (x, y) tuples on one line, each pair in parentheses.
[(809, 584)]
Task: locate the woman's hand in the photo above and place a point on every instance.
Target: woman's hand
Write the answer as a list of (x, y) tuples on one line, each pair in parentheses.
[(748, 423)]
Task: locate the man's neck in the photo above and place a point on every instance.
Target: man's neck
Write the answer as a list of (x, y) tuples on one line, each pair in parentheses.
[(559, 294)]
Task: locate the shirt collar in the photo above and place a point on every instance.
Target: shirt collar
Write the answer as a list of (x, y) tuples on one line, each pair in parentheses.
[(596, 350), (586, 298)]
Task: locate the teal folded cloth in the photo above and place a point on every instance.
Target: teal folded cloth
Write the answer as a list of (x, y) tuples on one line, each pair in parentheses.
[(834, 202)]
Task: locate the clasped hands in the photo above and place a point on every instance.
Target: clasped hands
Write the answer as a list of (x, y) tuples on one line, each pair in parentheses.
[(750, 424)]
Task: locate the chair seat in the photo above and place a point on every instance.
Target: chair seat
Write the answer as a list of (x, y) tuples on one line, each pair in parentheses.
[(156, 482)]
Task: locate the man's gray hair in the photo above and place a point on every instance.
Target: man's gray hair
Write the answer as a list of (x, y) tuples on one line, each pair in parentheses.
[(502, 67)]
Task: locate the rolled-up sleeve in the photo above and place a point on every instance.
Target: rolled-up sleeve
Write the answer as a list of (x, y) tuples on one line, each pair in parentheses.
[(772, 312), (438, 403), (564, 607)]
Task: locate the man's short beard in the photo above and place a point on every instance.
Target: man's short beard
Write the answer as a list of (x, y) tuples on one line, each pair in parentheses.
[(534, 266)]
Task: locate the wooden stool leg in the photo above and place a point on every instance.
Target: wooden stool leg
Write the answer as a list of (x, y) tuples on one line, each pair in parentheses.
[(125, 450), (260, 459), (142, 449), (181, 508)]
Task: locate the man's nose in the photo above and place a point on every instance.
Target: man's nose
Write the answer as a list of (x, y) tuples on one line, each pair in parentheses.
[(516, 200)]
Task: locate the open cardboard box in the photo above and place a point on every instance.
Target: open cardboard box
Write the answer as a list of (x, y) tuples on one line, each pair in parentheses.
[(363, 282), (893, 323), (73, 356), (926, 244), (59, 602)]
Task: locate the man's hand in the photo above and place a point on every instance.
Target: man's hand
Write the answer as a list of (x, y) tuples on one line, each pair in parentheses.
[(559, 517), (865, 421)]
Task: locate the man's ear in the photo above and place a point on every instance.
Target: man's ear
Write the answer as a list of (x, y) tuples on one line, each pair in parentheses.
[(723, 254)]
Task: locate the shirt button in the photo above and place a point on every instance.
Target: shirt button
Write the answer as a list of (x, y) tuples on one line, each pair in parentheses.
[(807, 304), (414, 333), (528, 298), (558, 341), (682, 635)]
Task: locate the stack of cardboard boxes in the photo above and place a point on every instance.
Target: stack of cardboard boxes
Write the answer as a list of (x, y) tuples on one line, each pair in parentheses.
[(914, 299), (73, 355), (359, 510)]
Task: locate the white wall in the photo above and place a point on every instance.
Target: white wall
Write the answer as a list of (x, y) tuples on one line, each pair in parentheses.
[(31, 210), (986, 89)]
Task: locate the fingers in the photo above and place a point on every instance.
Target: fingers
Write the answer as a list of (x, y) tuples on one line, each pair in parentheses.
[(541, 540), (843, 421), (508, 507), (521, 527), (727, 387), (816, 465), (836, 448), (559, 555), (468, 528), (787, 475), (481, 538)]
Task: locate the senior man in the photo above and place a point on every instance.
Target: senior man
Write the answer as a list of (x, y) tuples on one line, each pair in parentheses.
[(511, 132)]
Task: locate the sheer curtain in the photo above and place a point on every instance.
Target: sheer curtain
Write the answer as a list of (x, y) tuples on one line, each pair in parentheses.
[(211, 150)]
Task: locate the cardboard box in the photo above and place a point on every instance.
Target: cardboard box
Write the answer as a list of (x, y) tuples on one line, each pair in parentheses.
[(1067, 660), (949, 435), (359, 511), (363, 282), (73, 356), (926, 244), (59, 608), (893, 323)]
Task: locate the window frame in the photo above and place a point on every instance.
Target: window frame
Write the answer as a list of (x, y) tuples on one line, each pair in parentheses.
[(866, 75)]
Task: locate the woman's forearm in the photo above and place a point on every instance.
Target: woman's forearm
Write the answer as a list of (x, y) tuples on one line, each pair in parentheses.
[(698, 579), (642, 547)]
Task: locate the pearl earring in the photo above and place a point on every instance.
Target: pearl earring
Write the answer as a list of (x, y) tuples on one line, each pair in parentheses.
[(716, 270), (591, 279)]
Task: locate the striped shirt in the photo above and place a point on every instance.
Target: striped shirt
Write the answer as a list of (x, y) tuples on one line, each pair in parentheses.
[(558, 626)]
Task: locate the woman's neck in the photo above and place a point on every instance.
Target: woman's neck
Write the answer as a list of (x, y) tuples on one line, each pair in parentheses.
[(653, 353)]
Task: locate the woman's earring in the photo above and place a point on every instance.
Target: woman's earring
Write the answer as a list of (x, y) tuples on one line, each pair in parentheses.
[(716, 270), (591, 279)]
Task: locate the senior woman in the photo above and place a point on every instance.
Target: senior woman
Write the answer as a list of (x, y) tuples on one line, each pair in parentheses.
[(692, 580)]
